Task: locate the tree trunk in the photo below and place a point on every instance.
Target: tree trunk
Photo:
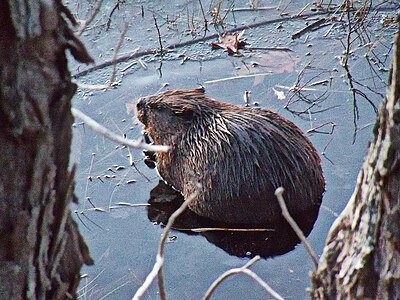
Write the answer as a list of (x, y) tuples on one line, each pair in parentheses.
[(361, 258), (41, 250)]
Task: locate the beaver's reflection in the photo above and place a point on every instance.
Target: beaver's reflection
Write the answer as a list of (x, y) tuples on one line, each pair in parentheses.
[(277, 240)]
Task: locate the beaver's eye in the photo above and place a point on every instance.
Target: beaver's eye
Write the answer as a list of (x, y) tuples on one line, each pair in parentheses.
[(186, 114), (157, 106)]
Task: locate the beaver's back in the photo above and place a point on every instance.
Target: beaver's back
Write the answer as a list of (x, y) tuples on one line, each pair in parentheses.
[(238, 155)]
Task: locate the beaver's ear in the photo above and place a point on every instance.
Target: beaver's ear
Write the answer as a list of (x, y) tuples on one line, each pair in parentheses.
[(200, 90)]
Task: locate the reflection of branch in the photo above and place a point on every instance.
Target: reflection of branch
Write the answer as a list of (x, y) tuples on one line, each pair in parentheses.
[(114, 137), (309, 85), (133, 55), (116, 6), (204, 17), (315, 129), (246, 271), (161, 46), (285, 213), (323, 153), (109, 83), (119, 44), (356, 114), (157, 268)]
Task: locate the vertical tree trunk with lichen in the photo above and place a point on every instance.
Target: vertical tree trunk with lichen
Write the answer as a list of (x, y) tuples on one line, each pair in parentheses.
[(361, 258), (41, 250)]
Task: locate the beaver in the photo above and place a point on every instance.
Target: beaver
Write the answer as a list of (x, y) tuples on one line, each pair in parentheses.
[(239, 156)]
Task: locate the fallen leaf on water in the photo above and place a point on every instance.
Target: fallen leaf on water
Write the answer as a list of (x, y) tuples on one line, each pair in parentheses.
[(275, 62), (279, 94), (230, 43)]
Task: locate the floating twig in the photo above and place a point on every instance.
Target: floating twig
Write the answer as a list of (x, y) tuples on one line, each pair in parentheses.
[(269, 48), (137, 54), (237, 77), (308, 28), (132, 204)]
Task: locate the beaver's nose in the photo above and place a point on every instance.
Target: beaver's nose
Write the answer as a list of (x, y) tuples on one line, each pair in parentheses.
[(141, 104)]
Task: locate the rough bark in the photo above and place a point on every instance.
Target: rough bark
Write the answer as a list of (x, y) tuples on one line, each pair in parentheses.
[(361, 258), (41, 250)]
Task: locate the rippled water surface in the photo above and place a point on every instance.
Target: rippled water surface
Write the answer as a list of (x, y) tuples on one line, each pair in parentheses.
[(122, 240)]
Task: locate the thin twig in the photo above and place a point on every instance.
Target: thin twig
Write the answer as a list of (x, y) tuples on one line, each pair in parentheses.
[(114, 137), (246, 271), (117, 47), (136, 54), (204, 17), (285, 213), (119, 205), (90, 19), (157, 268), (149, 279), (109, 83), (303, 9)]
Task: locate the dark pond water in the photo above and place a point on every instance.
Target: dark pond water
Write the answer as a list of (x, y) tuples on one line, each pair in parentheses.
[(122, 240)]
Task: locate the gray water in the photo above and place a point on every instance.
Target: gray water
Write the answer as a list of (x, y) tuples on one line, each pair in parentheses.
[(122, 241)]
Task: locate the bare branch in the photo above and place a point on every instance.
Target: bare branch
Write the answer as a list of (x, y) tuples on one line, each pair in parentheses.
[(246, 271), (157, 268), (285, 213), (114, 137)]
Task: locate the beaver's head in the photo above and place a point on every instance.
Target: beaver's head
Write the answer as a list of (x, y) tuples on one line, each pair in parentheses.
[(238, 155), (168, 115)]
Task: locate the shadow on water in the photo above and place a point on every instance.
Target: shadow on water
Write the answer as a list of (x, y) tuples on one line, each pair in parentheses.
[(266, 241)]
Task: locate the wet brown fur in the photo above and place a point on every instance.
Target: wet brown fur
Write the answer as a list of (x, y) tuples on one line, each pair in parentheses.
[(238, 155)]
